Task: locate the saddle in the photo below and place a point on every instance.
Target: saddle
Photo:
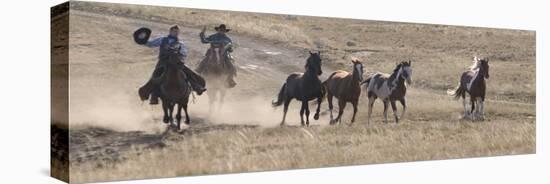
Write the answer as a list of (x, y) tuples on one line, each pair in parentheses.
[(215, 61)]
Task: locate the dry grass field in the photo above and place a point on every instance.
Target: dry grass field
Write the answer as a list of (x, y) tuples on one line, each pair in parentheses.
[(114, 136)]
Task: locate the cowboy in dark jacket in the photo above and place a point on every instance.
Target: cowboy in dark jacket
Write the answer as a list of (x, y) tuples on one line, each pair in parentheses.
[(151, 88), (220, 37)]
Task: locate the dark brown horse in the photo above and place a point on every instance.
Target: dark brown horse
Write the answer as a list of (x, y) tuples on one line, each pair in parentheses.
[(214, 70), (304, 87), (389, 88), (473, 83), (346, 87), (174, 89)]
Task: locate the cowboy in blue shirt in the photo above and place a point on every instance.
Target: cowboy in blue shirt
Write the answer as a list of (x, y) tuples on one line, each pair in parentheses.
[(196, 81), (220, 37)]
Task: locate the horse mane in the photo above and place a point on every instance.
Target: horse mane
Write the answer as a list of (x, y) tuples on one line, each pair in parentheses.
[(475, 64), (397, 67)]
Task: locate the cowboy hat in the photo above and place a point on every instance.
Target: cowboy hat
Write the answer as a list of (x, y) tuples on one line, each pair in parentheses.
[(141, 36), (222, 27)]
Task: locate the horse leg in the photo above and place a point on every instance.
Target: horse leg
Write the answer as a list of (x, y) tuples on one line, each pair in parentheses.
[(302, 111), (171, 113), (307, 112), (404, 104), (482, 108), (319, 101), (472, 112), (341, 107), (178, 115), (165, 119), (211, 100), (464, 104), (371, 104), (385, 110), (394, 108), (187, 121), (221, 100), (354, 103), (287, 102), (329, 99)]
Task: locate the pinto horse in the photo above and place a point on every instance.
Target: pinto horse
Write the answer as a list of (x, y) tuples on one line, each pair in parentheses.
[(389, 88), (346, 87), (304, 87), (473, 83)]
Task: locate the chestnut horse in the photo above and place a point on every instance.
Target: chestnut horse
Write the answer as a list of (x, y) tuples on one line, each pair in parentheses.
[(473, 83), (346, 87), (389, 88), (304, 87)]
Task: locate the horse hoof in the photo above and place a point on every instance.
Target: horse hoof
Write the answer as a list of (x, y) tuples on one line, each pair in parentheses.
[(316, 116)]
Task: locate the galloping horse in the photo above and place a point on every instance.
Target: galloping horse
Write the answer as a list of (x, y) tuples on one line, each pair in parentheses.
[(473, 83), (346, 87), (304, 87), (215, 73), (389, 88), (174, 88)]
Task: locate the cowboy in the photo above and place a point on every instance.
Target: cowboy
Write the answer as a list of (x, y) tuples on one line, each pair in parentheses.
[(151, 88), (220, 37)]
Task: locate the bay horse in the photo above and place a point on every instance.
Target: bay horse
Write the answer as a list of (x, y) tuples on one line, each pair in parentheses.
[(346, 87), (473, 83), (304, 87), (215, 73), (174, 89), (389, 88)]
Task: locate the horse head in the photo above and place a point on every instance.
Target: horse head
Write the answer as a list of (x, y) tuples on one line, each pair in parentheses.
[(405, 70), (484, 67), (173, 54), (314, 62), (358, 68)]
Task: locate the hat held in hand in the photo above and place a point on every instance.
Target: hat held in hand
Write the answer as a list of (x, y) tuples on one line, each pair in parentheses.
[(141, 36)]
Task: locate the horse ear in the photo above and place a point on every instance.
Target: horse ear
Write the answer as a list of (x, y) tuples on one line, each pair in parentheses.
[(410, 62), (311, 53), (319, 52)]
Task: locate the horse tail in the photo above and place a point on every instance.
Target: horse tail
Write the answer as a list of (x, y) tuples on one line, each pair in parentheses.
[(280, 97), (457, 92), (365, 84)]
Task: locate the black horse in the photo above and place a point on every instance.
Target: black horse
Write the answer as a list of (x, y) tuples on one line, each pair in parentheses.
[(174, 88), (304, 87)]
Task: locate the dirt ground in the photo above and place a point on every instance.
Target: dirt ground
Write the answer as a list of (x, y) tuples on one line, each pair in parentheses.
[(115, 136)]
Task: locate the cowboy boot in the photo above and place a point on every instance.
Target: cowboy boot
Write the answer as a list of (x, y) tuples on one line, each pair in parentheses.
[(230, 82), (144, 91), (197, 88), (154, 99)]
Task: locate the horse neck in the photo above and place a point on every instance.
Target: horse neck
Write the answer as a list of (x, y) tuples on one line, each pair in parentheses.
[(310, 75), (395, 75), (173, 76), (400, 83), (480, 75), (355, 75)]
